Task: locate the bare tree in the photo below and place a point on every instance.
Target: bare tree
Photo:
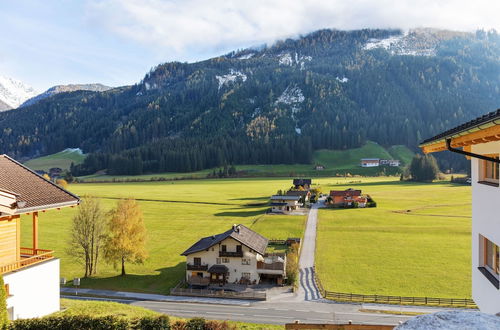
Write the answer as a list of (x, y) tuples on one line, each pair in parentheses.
[(88, 234)]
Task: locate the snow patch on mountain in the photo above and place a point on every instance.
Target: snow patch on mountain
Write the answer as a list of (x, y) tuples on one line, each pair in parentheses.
[(13, 92), (418, 42), (65, 89), (288, 59), (291, 95), (342, 80), (246, 56), (232, 76)]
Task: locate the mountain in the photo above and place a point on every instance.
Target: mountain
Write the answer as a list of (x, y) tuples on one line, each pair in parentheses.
[(65, 89), (327, 90), (13, 93)]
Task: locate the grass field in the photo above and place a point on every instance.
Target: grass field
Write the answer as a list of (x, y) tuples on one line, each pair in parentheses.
[(61, 159), (129, 311), (415, 243), (335, 162), (176, 216)]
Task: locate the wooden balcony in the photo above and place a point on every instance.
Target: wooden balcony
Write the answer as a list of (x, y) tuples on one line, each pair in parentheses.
[(197, 280), (197, 267), (231, 254), (273, 266), (28, 258)]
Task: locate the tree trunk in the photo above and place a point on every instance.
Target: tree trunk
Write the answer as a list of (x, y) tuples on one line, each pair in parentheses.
[(123, 266)]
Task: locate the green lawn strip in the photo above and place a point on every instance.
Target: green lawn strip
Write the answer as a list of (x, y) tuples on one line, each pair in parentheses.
[(129, 311), (61, 159), (380, 251), (172, 227)]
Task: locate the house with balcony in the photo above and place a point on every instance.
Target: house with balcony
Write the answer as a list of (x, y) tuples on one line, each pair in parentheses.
[(304, 195), (347, 198), (237, 256), (479, 141), (30, 273), (285, 203), (302, 184)]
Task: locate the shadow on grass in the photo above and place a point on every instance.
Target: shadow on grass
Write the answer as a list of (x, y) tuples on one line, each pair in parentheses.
[(243, 213), (159, 283), (249, 198)]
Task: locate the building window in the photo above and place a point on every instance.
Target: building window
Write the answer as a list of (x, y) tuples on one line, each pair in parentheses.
[(489, 171), (489, 263), (197, 261), (223, 248), (246, 276), (222, 261), (245, 261), (238, 248)]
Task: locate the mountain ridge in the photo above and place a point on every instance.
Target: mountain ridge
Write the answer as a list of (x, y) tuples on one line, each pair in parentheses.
[(330, 89)]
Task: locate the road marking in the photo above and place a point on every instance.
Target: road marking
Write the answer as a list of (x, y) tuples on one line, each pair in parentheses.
[(281, 309), (322, 312), (329, 320), (177, 311), (276, 317), (224, 313), (303, 310), (259, 307)]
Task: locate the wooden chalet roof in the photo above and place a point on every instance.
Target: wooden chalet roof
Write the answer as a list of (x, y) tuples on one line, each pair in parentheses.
[(242, 234), (301, 182), (348, 192), (35, 192), (480, 130)]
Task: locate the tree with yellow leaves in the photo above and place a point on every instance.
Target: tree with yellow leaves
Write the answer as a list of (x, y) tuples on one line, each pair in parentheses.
[(127, 235)]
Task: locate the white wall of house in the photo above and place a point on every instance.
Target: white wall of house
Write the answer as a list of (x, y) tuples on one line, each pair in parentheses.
[(485, 222), (34, 291), (235, 264)]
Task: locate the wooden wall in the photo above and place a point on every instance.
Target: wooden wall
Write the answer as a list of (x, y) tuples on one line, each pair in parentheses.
[(9, 239)]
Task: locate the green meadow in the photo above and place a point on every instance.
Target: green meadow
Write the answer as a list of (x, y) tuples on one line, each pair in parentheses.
[(415, 243), (176, 215)]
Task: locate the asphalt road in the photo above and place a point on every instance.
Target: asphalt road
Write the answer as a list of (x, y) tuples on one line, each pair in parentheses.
[(267, 313)]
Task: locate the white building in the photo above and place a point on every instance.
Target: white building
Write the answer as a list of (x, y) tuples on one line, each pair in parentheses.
[(480, 141), (370, 162), (236, 256), (285, 203), (30, 274)]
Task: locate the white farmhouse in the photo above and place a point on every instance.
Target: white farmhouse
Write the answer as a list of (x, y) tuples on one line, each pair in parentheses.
[(285, 203), (479, 140), (30, 274), (236, 256)]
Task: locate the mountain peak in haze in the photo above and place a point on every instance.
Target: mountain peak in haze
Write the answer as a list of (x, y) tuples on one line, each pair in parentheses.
[(13, 93), (65, 89)]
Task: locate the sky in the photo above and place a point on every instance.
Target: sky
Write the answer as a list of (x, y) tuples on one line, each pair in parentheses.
[(116, 42)]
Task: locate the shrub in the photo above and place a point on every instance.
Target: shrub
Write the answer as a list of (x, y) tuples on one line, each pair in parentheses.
[(4, 320), (196, 323), (218, 325), (74, 322), (161, 322), (178, 325), (292, 265)]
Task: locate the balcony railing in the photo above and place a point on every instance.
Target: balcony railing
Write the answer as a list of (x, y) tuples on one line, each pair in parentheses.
[(198, 280), (231, 254), (272, 266), (197, 267), (29, 257)]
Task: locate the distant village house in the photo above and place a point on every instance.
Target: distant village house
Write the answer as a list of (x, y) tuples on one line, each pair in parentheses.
[(347, 198), (236, 256), (302, 183), (285, 203), (375, 162)]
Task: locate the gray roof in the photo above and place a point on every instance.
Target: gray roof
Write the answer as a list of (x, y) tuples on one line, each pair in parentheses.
[(285, 198), (242, 234), (218, 269), (301, 182), (297, 193)]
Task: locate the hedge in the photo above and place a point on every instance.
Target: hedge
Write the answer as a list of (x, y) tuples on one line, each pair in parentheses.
[(4, 320)]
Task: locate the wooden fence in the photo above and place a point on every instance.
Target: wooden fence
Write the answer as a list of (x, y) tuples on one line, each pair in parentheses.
[(396, 300), (252, 295)]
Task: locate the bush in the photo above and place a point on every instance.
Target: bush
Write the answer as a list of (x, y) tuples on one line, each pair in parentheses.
[(161, 322), (424, 168), (4, 320), (292, 265), (218, 325), (73, 322), (178, 325), (197, 323)]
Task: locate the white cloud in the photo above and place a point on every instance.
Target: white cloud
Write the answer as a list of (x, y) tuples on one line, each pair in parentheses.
[(188, 29)]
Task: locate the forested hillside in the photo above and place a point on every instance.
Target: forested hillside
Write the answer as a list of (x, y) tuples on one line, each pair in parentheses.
[(327, 90)]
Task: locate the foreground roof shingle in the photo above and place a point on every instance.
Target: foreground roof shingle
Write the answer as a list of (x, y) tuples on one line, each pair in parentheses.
[(242, 234), (34, 191), (492, 117)]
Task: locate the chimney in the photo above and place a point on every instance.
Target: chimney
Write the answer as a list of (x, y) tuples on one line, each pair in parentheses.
[(236, 228)]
